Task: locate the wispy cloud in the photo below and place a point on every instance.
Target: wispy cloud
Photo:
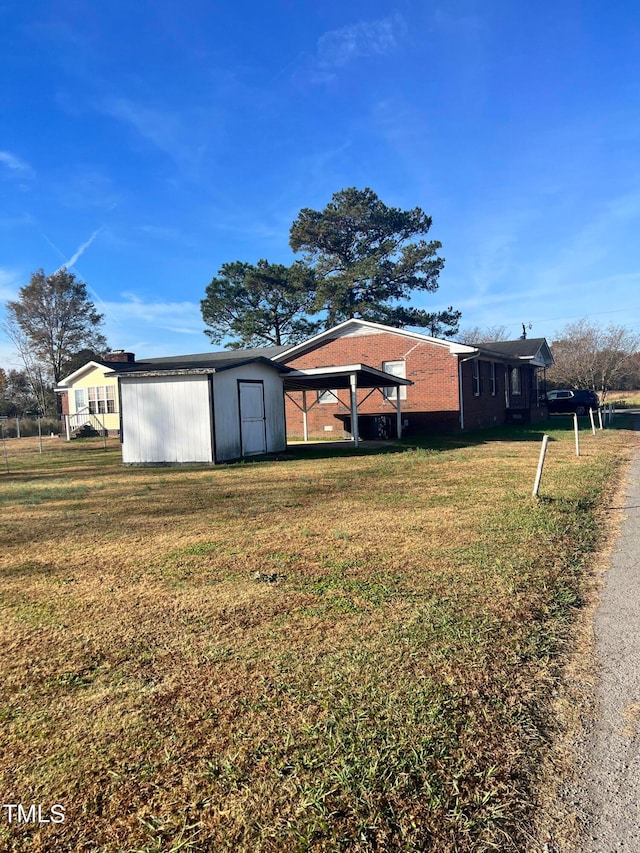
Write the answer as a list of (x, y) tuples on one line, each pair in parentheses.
[(167, 130), (338, 48), (16, 165), (10, 283), (178, 317), (165, 234), (13, 169), (16, 221), (86, 187), (74, 259), (80, 250)]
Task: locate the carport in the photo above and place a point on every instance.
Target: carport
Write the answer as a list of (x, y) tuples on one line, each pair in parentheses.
[(341, 377)]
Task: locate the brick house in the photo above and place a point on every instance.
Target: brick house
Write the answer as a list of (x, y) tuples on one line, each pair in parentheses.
[(448, 386), (454, 386)]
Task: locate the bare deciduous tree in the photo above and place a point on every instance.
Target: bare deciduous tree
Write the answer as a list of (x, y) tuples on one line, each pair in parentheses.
[(476, 335), (52, 319), (587, 355)]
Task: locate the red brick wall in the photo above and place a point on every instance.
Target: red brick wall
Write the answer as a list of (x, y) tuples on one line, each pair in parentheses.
[(64, 402), (483, 410), (486, 410), (432, 402), (120, 356)]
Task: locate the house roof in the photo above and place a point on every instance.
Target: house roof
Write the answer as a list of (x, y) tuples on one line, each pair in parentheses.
[(534, 350), (110, 366), (355, 325)]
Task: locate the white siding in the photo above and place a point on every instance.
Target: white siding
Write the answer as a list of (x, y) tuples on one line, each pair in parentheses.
[(166, 419), (227, 412)]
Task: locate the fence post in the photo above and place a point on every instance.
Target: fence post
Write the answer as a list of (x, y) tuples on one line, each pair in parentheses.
[(543, 450), (600, 416), (4, 444), (577, 433), (593, 423)]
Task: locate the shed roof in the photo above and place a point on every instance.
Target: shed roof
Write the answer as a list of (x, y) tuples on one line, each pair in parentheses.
[(181, 365), (220, 355)]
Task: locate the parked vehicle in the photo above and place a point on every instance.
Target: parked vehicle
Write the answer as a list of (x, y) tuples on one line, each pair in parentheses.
[(569, 400)]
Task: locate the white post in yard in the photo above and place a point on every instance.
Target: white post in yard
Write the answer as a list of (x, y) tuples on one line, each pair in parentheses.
[(600, 416), (575, 429), (543, 450), (593, 423), (353, 385), (4, 444), (18, 428), (67, 426), (305, 426)]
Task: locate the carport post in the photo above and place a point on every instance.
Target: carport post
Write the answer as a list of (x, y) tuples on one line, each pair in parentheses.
[(353, 386), (305, 427), (398, 413)]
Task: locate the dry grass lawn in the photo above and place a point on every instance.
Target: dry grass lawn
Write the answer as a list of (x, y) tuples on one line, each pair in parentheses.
[(628, 399), (351, 652)]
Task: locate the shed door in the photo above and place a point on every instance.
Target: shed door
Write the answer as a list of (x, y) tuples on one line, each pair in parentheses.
[(252, 418)]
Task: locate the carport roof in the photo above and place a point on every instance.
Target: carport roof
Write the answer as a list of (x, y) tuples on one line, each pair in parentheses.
[(322, 378)]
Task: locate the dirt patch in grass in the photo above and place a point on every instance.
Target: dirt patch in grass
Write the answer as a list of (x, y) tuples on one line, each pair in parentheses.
[(349, 653)]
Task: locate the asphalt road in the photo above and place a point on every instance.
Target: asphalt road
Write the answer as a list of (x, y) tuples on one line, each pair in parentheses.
[(607, 793)]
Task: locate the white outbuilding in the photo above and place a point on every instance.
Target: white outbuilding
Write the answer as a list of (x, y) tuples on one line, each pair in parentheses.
[(201, 409)]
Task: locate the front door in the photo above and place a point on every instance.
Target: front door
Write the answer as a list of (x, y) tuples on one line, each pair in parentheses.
[(252, 418)]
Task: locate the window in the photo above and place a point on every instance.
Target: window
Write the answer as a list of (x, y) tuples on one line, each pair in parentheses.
[(395, 368), (476, 379), (328, 396), (516, 381), (492, 378), (80, 399), (102, 400)]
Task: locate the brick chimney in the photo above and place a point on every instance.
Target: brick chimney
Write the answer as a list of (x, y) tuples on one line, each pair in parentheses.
[(120, 355)]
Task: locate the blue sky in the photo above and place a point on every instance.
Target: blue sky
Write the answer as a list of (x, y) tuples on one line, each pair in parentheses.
[(147, 143)]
